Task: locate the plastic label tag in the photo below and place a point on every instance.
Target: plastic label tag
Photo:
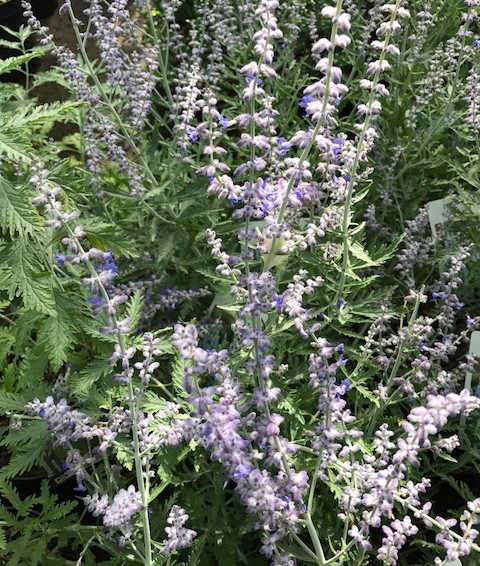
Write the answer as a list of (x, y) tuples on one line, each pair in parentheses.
[(474, 350), (437, 213)]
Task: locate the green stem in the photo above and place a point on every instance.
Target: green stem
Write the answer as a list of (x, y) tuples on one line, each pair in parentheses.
[(84, 550), (142, 484), (398, 360), (312, 531), (305, 547), (356, 162), (161, 60)]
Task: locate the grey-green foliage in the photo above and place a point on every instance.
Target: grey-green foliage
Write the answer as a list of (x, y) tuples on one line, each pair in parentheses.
[(41, 312), (29, 289), (44, 316)]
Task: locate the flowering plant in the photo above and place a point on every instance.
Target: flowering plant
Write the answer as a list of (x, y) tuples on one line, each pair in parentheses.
[(222, 293)]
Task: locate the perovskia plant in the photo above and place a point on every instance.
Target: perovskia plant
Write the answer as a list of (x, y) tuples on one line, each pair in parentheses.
[(223, 152)]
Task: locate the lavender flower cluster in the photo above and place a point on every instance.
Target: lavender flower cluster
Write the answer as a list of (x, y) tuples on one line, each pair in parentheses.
[(119, 513), (380, 483), (221, 413), (100, 264), (130, 78)]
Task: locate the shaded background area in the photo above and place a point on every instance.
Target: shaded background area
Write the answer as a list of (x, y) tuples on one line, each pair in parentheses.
[(61, 28)]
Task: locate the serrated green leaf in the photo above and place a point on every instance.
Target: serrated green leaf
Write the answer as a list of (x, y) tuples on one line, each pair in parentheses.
[(11, 494), (344, 315), (134, 309), (367, 394), (82, 383), (103, 235), (52, 75), (9, 377), (22, 462), (7, 339), (87, 327), (12, 402), (16, 211), (31, 432), (21, 275), (25, 324), (3, 539), (177, 375), (7, 65), (358, 251), (124, 456), (57, 334), (10, 44), (12, 145), (28, 117), (286, 405), (152, 403), (32, 369), (10, 91)]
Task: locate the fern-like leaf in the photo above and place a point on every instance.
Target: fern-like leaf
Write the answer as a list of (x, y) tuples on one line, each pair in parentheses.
[(16, 212), (177, 375), (82, 384), (7, 65), (31, 433), (23, 461), (12, 402), (152, 403), (21, 275), (57, 336), (53, 75), (3, 539), (12, 145), (32, 370), (103, 235), (57, 333), (134, 309), (11, 494), (27, 117)]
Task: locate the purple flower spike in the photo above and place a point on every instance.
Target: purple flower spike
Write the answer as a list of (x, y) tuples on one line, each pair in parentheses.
[(250, 78), (337, 147), (278, 303), (283, 146)]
